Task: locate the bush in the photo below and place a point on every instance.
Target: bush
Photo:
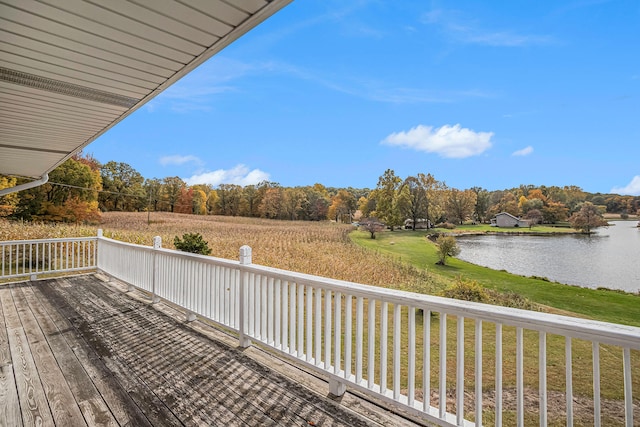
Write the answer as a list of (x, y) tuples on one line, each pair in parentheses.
[(467, 290), (447, 246), (446, 225), (192, 242), (470, 290)]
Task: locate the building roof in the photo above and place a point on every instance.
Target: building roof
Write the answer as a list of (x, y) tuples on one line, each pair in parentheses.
[(69, 71), (508, 214)]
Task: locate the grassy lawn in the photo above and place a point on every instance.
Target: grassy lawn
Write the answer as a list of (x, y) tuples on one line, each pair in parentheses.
[(413, 248)]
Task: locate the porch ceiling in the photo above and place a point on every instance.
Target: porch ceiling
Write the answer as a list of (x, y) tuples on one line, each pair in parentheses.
[(71, 70)]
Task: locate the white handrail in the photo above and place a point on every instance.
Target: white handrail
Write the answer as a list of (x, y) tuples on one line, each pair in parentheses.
[(45, 256)]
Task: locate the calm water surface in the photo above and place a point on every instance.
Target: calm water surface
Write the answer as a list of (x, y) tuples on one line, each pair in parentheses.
[(610, 258)]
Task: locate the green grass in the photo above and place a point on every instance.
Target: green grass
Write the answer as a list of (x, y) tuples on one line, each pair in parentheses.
[(413, 248)]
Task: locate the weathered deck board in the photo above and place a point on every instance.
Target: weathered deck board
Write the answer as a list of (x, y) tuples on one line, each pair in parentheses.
[(9, 405), (89, 399), (128, 398), (100, 357), (179, 348), (31, 396), (63, 406)]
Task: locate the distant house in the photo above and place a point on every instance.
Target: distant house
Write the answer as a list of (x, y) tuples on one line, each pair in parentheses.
[(505, 219), (421, 223)]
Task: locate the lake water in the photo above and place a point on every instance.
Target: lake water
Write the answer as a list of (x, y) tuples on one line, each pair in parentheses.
[(610, 258)]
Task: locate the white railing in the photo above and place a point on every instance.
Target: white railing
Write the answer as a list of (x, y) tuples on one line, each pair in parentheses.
[(35, 257), (401, 347), (387, 343)]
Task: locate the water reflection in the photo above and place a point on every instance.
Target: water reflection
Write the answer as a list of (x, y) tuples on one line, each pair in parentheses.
[(608, 258)]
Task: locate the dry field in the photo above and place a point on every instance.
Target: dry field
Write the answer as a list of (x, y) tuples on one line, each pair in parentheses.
[(318, 248)]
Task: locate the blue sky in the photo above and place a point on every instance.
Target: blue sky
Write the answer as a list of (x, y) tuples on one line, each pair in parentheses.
[(492, 94)]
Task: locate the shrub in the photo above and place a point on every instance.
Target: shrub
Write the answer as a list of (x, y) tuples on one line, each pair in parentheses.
[(446, 225), (467, 290), (192, 242), (447, 246), (470, 290)]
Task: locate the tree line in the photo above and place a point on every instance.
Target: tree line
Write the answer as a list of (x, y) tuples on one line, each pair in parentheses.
[(81, 188)]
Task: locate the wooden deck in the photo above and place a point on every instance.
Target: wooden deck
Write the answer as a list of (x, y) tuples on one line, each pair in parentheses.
[(77, 351)]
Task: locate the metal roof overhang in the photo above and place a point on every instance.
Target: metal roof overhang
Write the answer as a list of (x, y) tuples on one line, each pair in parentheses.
[(70, 70)]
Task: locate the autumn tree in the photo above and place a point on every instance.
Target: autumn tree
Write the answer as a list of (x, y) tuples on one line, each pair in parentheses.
[(436, 192), (587, 218), (372, 226), (8, 202), (184, 204), (504, 201), (317, 203), (391, 199), (416, 200), (460, 205), (122, 186), (447, 246), (200, 196), (70, 195), (554, 212), (482, 204), (271, 204), (537, 193), (212, 202), (343, 204), (530, 204), (574, 196), (294, 201), (153, 193), (199, 202), (171, 189), (250, 202), (229, 199), (366, 205)]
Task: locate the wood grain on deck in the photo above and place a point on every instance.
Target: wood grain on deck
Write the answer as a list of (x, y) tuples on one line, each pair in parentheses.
[(74, 352)]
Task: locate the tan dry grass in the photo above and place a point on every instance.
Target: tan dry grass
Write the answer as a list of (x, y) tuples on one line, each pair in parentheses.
[(319, 248)]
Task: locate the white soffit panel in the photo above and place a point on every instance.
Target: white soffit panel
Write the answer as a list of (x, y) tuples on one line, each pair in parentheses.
[(70, 70)]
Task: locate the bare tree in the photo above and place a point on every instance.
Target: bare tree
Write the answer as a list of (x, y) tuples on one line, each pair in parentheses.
[(372, 225), (534, 216)]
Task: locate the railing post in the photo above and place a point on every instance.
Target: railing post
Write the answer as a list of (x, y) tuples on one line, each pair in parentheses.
[(157, 244), (245, 259), (100, 255)]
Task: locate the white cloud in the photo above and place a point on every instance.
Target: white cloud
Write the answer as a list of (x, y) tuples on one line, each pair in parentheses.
[(632, 189), (524, 152), (448, 141), (240, 175), (179, 160)]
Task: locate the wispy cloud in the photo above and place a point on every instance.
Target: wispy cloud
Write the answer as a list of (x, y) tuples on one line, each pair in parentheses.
[(179, 160), (196, 91), (374, 89), (523, 152), (632, 189), (466, 31), (239, 175), (447, 141)]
